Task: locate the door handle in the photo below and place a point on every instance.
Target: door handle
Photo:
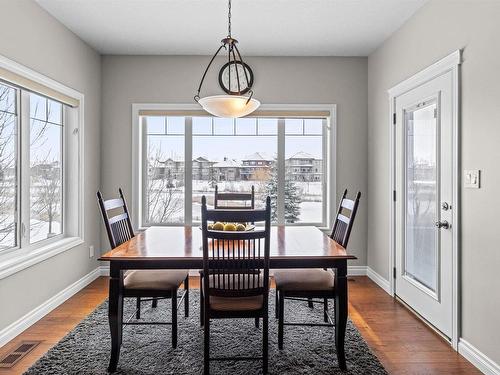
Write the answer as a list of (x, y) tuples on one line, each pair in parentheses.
[(443, 224)]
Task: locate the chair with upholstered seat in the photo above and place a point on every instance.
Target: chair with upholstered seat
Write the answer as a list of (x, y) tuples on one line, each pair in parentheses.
[(235, 282), (230, 201), (144, 285), (314, 283)]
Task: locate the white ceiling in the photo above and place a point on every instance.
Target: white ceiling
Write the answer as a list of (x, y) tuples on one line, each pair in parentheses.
[(263, 27)]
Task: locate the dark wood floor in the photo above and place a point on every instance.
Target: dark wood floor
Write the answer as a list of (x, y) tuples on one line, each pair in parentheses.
[(403, 343)]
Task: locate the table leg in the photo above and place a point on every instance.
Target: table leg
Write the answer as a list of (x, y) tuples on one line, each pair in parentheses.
[(341, 300), (115, 314)]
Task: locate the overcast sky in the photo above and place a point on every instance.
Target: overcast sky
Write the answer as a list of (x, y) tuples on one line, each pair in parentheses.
[(216, 147)]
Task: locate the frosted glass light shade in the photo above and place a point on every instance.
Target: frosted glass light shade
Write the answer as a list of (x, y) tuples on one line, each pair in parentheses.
[(230, 106)]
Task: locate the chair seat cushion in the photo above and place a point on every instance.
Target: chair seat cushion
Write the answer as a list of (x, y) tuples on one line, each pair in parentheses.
[(304, 279), (154, 279), (236, 303)]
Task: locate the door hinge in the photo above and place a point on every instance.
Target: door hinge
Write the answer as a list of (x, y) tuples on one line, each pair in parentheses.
[(394, 118), (394, 195), (394, 272)]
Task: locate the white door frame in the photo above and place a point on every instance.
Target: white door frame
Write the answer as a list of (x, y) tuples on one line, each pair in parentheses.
[(450, 63)]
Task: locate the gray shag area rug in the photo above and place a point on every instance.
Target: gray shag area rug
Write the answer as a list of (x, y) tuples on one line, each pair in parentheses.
[(147, 349)]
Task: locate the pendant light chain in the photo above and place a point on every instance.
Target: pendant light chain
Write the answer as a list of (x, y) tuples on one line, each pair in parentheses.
[(229, 19), (234, 104)]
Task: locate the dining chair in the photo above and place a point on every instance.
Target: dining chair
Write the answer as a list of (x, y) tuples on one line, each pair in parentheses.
[(234, 197), (301, 284), (235, 281), (149, 284)]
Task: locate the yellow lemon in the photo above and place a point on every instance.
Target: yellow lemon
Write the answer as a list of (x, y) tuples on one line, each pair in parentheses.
[(210, 226), (230, 227), (240, 227), (218, 226)]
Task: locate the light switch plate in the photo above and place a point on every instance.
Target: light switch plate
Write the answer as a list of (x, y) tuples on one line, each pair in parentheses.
[(472, 178)]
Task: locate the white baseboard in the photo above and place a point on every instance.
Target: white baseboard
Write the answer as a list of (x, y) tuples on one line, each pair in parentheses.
[(356, 270), (379, 280), (351, 271), (14, 329), (104, 270), (477, 358)]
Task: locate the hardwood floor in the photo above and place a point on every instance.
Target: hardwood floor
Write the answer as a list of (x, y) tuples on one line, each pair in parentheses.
[(55, 325), (402, 342)]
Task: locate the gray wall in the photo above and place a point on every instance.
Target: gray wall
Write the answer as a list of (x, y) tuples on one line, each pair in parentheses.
[(302, 80), (436, 30), (33, 38)]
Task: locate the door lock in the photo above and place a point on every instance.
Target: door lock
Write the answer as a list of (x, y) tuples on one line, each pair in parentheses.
[(445, 206), (443, 224)]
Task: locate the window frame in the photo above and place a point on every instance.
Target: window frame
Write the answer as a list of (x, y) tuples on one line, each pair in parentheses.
[(139, 148), (26, 254)]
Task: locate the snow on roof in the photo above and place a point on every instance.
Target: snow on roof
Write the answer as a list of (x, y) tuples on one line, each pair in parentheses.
[(302, 155), (229, 163), (259, 156), (170, 160), (201, 159)]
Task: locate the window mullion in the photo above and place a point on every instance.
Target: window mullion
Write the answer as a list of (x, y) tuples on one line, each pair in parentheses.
[(24, 158), (325, 172), (188, 173), (17, 153), (280, 199), (144, 168)]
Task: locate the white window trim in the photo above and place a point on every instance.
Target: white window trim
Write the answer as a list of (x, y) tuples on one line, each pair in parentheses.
[(18, 259), (330, 143)]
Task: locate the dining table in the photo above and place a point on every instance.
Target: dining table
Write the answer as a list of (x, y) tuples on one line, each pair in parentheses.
[(180, 247)]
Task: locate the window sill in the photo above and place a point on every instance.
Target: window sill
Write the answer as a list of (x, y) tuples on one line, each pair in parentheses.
[(20, 259)]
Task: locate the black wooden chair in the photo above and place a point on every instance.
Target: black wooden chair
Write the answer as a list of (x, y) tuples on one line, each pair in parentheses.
[(234, 197), (149, 284), (246, 200), (299, 284), (235, 281)]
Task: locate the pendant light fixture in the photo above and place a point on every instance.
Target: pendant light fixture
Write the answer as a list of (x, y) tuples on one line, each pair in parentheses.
[(235, 78)]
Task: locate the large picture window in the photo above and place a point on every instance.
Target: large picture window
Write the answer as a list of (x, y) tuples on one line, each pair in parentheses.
[(31, 168), (186, 157)]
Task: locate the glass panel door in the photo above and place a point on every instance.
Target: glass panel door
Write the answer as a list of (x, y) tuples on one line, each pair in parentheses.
[(422, 249)]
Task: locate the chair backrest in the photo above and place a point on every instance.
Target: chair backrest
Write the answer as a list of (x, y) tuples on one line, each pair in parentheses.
[(345, 219), (236, 263), (234, 197), (119, 227)]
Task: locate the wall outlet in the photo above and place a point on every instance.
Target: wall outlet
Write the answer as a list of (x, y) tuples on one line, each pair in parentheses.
[(472, 179), (91, 251)]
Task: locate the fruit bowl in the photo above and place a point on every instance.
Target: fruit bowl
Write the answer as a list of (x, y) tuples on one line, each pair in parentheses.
[(230, 227)]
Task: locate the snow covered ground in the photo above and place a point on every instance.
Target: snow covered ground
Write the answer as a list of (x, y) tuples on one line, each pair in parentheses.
[(39, 231), (310, 212), (310, 192)]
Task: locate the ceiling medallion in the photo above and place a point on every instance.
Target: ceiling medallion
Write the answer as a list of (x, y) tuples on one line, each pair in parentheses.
[(235, 78)]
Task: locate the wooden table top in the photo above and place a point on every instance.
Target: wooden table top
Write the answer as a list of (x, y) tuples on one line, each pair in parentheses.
[(174, 243)]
